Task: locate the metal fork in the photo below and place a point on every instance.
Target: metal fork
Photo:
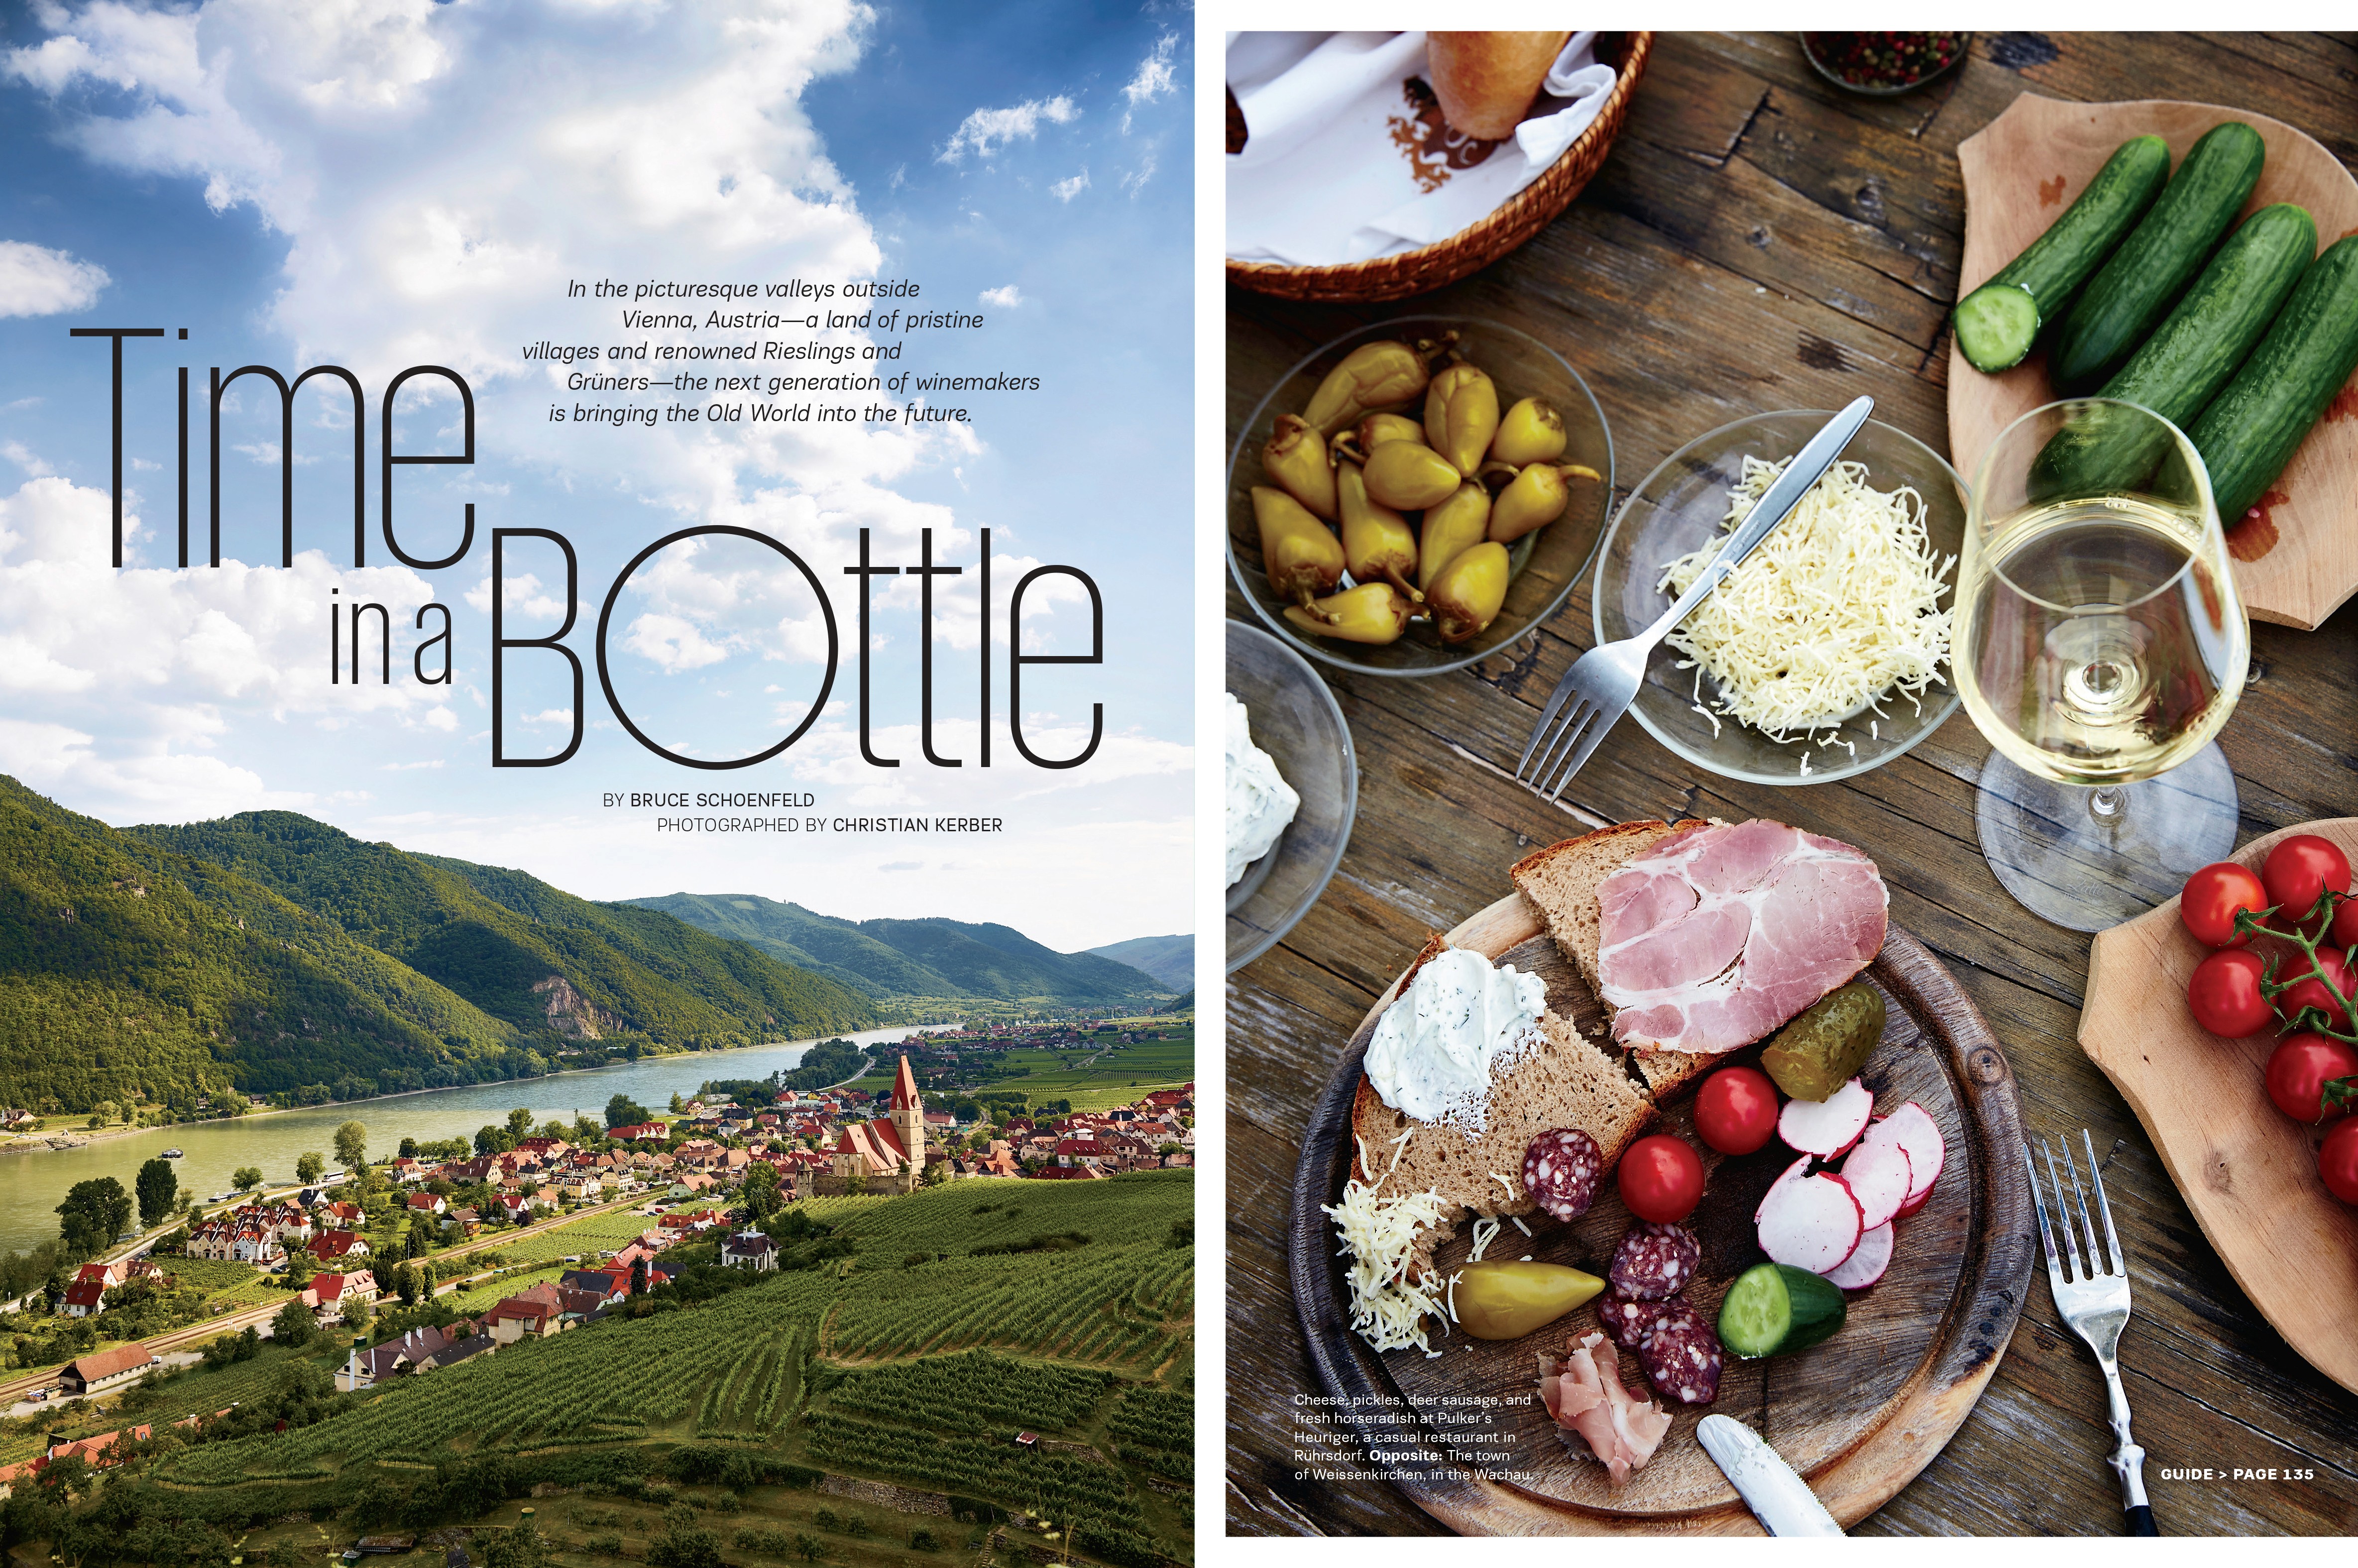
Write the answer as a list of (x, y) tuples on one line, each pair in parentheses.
[(1604, 679), (2095, 1303)]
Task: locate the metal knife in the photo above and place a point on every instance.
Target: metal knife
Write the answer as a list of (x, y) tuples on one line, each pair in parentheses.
[(1777, 1497)]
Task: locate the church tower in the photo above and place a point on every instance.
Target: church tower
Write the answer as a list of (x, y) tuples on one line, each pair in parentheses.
[(909, 1125)]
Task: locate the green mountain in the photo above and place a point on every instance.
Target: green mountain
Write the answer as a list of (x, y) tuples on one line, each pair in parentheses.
[(1171, 959), (534, 956), (915, 957), (127, 968)]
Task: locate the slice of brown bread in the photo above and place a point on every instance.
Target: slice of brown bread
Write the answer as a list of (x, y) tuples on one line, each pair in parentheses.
[(1560, 883), (1564, 1081)]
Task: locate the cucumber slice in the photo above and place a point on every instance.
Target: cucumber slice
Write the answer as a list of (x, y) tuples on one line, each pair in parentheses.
[(2054, 265), (1774, 1309), (1996, 326)]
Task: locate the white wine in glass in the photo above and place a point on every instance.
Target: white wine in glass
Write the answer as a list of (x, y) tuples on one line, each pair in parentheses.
[(2099, 646)]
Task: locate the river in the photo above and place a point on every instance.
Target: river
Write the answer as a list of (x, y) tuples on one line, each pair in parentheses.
[(33, 1183)]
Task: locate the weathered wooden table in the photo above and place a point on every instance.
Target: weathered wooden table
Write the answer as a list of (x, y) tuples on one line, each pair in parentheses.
[(1758, 241)]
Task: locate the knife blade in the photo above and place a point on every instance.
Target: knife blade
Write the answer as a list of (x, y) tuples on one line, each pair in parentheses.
[(1777, 1497)]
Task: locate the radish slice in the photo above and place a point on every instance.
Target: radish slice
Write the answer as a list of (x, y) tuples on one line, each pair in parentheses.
[(1918, 1133), (1826, 1128), (1866, 1265), (1809, 1222), (1913, 1205), (1877, 1171)]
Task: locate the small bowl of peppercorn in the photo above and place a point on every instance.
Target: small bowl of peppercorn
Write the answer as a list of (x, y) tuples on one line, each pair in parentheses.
[(1884, 65)]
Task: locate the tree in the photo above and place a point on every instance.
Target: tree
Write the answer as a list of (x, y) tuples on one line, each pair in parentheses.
[(553, 1129), (624, 1111), (937, 1173), (408, 1149), (294, 1326), (415, 1243), (808, 1547), (356, 1315), (760, 1192), (856, 1183), (311, 1166), (159, 1185), (685, 1549), (519, 1126), (246, 1176), (587, 1131), (491, 1139), (93, 1215), (638, 1275), (521, 1547), (404, 1284), (352, 1146)]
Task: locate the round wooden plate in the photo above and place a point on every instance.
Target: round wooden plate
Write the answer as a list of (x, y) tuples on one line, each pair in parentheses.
[(2249, 1175), (1858, 1416), (2297, 559)]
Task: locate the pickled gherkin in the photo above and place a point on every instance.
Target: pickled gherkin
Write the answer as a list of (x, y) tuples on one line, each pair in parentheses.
[(1498, 1299), (1824, 1047)]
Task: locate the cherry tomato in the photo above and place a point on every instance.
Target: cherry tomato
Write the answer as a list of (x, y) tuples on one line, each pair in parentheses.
[(2336, 1161), (2300, 870), (2310, 991), (2345, 925), (2225, 993), (2298, 1070), (1661, 1179), (2211, 898), (1736, 1110)]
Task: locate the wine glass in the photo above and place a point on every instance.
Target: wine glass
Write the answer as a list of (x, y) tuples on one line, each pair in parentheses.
[(2100, 645)]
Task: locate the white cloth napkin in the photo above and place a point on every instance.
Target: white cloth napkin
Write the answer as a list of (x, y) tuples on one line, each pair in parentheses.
[(1339, 166)]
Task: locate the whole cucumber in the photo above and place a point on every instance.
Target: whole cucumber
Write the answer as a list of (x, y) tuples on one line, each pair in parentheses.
[(2186, 361), (2134, 289), (2251, 430), (1994, 330)]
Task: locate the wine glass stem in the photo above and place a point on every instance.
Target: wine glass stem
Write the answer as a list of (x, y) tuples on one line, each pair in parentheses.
[(2106, 805)]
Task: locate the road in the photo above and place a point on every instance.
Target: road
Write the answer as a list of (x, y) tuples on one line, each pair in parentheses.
[(197, 1334)]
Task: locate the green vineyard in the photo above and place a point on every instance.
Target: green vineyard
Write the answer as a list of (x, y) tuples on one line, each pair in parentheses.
[(914, 1360)]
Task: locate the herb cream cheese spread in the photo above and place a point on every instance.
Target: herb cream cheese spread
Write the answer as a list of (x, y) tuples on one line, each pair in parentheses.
[(1435, 1049), (1260, 802)]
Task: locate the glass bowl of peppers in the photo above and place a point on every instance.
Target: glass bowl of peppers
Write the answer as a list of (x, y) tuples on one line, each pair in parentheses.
[(1884, 65)]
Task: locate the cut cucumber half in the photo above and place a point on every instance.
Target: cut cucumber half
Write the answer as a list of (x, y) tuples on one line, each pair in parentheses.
[(1996, 326), (1774, 1309)]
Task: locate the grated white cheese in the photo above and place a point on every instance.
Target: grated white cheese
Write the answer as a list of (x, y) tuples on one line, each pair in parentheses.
[(1520, 1224), (1377, 1234), (1837, 607), (1484, 1231)]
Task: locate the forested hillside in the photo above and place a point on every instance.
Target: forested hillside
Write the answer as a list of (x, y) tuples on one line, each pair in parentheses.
[(915, 957)]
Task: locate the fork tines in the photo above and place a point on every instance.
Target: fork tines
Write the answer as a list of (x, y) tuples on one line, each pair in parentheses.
[(2070, 1251), (1557, 749)]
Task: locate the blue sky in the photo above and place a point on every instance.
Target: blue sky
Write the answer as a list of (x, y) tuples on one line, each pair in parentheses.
[(391, 183)]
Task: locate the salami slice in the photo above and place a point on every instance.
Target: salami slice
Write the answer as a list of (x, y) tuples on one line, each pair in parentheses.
[(1680, 1357), (1654, 1260), (1559, 1171), (1628, 1321)]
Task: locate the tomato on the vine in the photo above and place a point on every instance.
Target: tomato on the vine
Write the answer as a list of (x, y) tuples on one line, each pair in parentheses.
[(1661, 1179), (2336, 1161), (2309, 989), (2209, 902), (2297, 1071), (2345, 925), (1736, 1110), (2224, 993), (2299, 870)]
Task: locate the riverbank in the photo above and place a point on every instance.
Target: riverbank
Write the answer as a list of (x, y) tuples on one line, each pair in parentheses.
[(32, 1143)]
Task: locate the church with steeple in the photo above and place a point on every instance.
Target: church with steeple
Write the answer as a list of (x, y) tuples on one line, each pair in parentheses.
[(890, 1152)]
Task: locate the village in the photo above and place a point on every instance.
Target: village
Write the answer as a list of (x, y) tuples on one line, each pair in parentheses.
[(594, 1214)]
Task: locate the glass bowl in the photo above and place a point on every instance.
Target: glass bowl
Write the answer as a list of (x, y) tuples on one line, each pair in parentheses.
[(1676, 508), (1297, 721), (1545, 563), (1810, 43)]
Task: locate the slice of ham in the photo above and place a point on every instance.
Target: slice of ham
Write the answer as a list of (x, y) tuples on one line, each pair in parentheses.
[(1583, 1393), (1717, 934)]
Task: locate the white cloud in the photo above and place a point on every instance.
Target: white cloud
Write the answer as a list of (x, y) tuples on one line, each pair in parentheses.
[(1155, 76), (986, 130), (27, 458), (1006, 299), (1135, 180), (1066, 190), (672, 643), (36, 281)]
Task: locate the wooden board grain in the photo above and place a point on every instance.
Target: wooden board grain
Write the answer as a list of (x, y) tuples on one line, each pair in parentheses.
[(2248, 1173), (2297, 554), (1858, 1416)]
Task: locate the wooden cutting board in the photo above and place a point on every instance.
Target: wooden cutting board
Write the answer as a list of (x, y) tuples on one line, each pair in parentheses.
[(1858, 1416), (2297, 554), (2248, 1173)]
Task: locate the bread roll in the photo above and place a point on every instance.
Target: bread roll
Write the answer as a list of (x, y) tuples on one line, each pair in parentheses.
[(1485, 80)]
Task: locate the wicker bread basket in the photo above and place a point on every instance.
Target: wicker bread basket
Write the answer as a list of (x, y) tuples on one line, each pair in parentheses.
[(1516, 220)]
